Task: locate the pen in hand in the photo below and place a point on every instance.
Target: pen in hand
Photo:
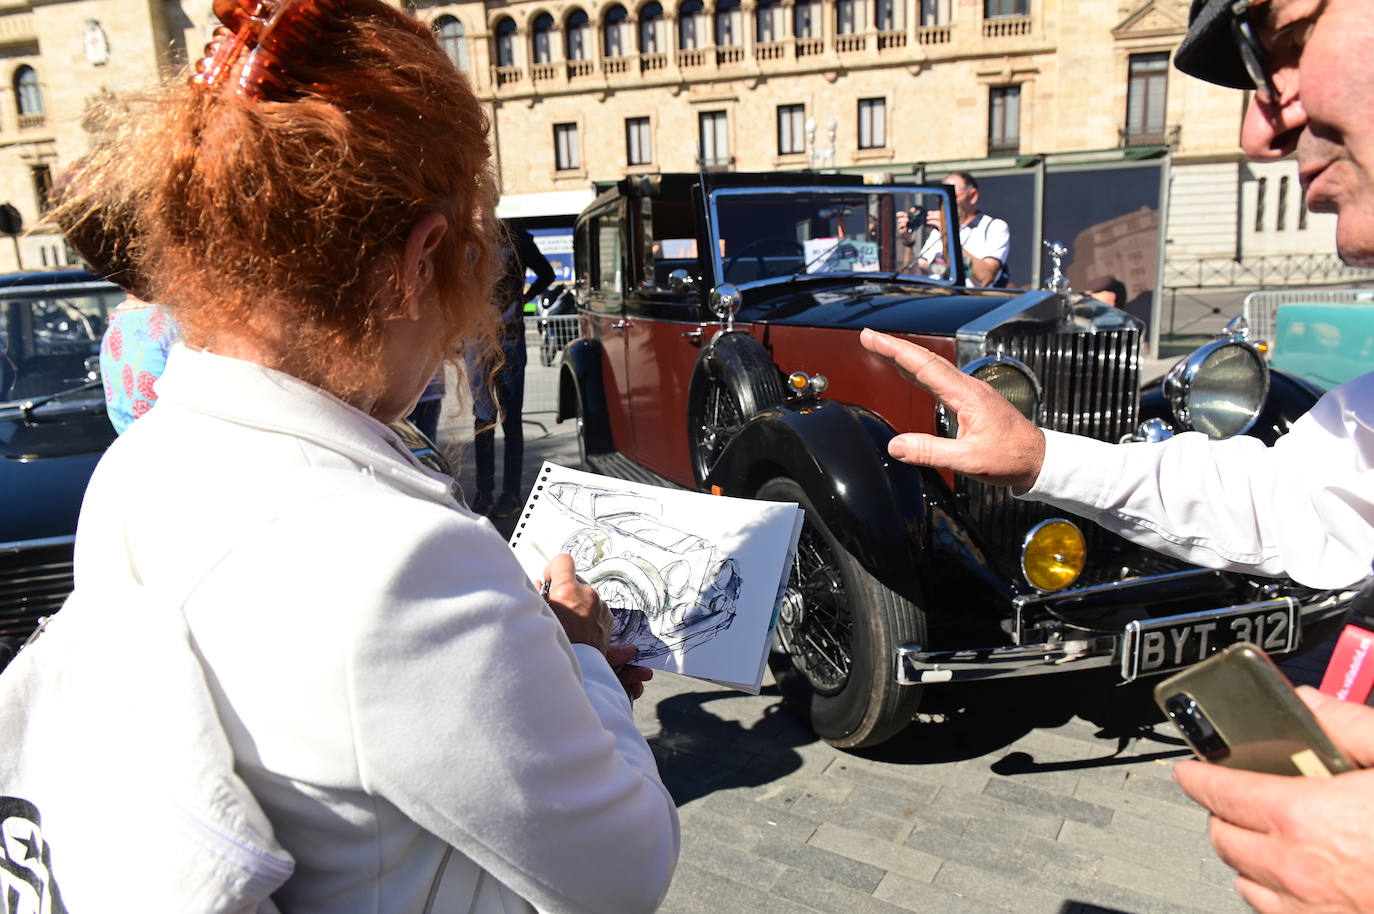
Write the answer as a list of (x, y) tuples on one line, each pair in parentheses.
[(544, 592)]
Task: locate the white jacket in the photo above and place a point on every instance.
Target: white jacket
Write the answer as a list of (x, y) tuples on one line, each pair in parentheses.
[(399, 699)]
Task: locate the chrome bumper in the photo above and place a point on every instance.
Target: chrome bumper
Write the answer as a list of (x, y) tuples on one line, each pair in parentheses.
[(916, 666)]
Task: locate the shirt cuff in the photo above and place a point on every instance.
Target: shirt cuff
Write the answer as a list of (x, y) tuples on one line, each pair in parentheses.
[(1075, 468)]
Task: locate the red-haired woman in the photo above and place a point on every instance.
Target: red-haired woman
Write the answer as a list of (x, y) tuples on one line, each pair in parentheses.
[(422, 730)]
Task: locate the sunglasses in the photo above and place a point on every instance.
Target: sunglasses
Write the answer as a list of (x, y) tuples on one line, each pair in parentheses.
[(274, 34), (1252, 51)]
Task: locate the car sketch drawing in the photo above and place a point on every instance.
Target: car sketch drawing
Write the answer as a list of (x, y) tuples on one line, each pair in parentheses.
[(669, 590)]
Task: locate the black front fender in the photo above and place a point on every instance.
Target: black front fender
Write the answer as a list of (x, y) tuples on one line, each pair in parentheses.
[(581, 392), (838, 453)]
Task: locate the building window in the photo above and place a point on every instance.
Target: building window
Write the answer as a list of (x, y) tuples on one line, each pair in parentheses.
[(691, 25), (565, 152), (578, 34), (449, 32), (26, 92), (791, 129), (849, 17), (1281, 215), (1302, 212), (993, 9), (651, 30), (885, 15), (770, 21), (505, 43), (613, 32), (1261, 186), (42, 187), (729, 24), (1004, 120), (872, 123), (637, 149), (1145, 97), (806, 19), (935, 12), (543, 38), (715, 141)]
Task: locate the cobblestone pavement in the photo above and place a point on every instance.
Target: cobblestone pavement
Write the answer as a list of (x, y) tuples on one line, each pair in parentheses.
[(1048, 795)]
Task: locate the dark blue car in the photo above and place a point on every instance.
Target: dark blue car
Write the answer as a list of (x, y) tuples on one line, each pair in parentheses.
[(53, 429)]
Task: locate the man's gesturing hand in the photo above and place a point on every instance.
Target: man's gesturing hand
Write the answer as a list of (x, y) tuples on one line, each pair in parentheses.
[(996, 444)]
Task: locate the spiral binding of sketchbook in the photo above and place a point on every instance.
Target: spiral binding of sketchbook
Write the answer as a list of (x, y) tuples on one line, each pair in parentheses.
[(694, 581)]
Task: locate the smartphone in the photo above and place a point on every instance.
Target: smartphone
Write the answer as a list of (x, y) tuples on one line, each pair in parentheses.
[(1238, 710)]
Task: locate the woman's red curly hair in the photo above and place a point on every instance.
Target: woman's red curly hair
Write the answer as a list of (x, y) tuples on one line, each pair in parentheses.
[(285, 219)]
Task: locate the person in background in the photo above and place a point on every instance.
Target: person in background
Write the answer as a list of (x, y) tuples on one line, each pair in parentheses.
[(425, 415), (1304, 507), (99, 226), (984, 241), (498, 389), (421, 728)]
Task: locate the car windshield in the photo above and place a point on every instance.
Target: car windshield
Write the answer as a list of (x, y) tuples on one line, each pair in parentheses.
[(785, 233), (50, 339)]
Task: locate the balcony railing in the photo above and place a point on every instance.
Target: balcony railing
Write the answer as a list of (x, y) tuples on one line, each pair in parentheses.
[(891, 40), (579, 69), (506, 76), (933, 34), (691, 57), (770, 50), (850, 44), (732, 54), (1169, 137), (1006, 27), (615, 64), (807, 47), (651, 62), (544, 72)]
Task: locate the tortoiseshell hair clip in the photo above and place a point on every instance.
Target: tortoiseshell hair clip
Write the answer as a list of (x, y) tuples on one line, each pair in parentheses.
[(275, 33)]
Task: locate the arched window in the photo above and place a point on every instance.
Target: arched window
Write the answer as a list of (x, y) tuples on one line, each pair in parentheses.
[(505, 42), (26, 92), (651, 39), (806, 19), (729, 24), (578, 36), (543, 38), (691, 25), (449, 32), (617, 23), (770, 26)]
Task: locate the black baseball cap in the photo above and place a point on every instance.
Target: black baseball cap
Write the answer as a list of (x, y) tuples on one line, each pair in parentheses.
[(1209, 49)]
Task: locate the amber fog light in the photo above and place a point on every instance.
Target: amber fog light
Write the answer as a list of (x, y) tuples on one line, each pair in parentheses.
[(1053, 555)]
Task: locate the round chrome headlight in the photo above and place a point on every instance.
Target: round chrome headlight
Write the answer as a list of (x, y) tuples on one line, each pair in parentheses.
[(1219, 389), (1011, 378)]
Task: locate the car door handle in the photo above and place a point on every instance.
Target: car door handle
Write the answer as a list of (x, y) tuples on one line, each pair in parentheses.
[(622, 324), (693, 336)]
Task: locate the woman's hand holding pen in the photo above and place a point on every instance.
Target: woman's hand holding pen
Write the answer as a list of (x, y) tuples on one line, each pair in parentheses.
[(586, 620)]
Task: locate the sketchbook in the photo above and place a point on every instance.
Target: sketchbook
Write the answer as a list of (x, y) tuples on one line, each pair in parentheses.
[(693, 580)]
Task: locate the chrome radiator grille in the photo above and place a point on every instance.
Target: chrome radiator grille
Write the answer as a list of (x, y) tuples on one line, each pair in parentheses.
[(33, 583), (1091, 386)]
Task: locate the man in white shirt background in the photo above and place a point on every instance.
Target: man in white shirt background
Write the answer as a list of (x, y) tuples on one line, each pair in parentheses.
[(1304, 507), (983, 240)]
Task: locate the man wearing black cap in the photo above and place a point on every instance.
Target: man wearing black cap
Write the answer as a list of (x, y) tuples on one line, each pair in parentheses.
[(1304, 507)]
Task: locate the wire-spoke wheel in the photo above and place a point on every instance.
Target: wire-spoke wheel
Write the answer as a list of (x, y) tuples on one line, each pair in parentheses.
[(735, 380), (838, 628)]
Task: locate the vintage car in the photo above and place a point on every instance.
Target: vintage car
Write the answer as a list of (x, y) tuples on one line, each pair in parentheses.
[(719, 349), (53, 430)]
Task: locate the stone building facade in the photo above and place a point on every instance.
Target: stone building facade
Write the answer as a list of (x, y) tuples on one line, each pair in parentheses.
[(588, 91)]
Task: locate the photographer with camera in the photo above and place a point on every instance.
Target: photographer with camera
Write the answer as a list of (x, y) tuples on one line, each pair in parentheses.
[(984, 240)]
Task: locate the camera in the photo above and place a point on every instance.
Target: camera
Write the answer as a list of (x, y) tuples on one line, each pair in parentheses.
[(1183, 710)]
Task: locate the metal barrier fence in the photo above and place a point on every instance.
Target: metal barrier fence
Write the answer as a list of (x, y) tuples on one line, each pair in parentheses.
[(1261, 308), (545, 338)]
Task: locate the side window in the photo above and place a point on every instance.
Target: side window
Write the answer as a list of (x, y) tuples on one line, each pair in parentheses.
[(606, 269), (582, 259)]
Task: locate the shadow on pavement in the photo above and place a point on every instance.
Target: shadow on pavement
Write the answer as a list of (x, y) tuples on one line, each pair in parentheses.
[(700, 752)]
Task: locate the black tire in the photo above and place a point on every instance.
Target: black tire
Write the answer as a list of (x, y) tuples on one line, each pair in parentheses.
[(834, 647), (735, 379)]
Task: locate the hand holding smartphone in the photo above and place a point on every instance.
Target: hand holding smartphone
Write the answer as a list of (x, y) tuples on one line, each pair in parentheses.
[(1236, 709)]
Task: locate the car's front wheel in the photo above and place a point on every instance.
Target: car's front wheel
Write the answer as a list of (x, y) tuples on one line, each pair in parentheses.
[(735, 379), (837, 631)]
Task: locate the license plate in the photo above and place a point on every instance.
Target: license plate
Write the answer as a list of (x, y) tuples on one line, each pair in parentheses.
[(1171, 642)]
